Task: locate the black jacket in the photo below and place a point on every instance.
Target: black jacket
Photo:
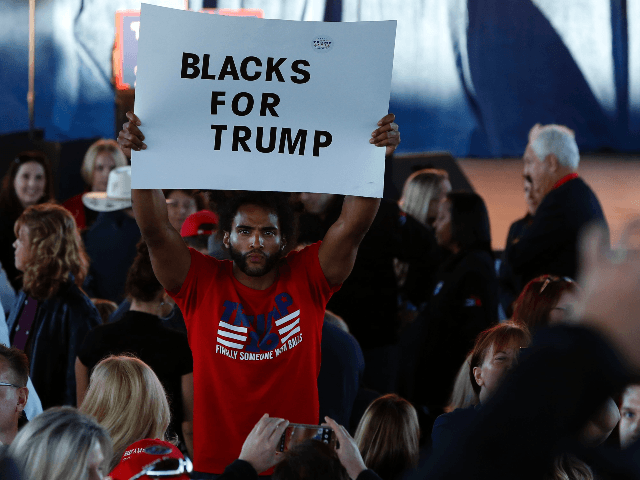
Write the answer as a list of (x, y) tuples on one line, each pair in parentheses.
[(61, 324), (549, 244), (464, 302)]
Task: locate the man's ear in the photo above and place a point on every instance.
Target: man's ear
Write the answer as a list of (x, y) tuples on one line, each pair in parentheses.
[(477, 374), (23, 396), (552, 162), (225, 239)]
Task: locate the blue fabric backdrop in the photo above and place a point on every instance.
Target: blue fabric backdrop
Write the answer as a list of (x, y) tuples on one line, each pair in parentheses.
[(470, 76)]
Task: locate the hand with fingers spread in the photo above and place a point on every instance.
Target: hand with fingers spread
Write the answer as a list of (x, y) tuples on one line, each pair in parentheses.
[(387, 134), (611, 283), (259, 448), (348, 452), (130, 137)]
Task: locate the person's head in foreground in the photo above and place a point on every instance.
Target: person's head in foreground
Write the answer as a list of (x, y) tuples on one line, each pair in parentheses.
[(629, 415), (152, 458), (49, 250), (128, 400), (142, 287), (422, 193), (545, 300), (197, 229), (62, 444), (551, 154), (14, 374), (494, 354), (388, 435), (310, 460), (462, 395), (462, 223), (257, 227), (101, 157), (28, 181)]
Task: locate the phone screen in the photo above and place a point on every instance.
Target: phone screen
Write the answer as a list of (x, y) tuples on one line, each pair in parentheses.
[(297, 433)]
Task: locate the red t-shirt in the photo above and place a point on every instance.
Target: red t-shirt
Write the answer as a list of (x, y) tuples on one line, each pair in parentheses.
[(254, 351)]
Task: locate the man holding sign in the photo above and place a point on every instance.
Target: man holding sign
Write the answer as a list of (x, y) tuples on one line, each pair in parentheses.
[(255, 323)]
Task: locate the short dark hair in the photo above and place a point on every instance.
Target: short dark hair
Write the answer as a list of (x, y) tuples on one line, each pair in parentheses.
[(470, 227), (142, 283), (310, 460), (18, 364), (277, 202)]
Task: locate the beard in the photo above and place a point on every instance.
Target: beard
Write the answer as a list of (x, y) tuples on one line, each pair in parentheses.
[(241, 260)]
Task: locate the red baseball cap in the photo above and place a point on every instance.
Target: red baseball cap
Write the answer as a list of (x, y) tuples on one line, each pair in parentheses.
[(192, 225), (146, 455)]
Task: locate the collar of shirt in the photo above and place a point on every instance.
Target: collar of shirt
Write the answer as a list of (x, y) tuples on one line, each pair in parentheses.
[(565, 179)]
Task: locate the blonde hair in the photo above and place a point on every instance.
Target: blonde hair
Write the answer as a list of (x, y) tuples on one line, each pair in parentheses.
[(569, 467), (101, 146), (388, 436), (463, 395), (56, 250), (55, 445), (420, 189), (128, 400)]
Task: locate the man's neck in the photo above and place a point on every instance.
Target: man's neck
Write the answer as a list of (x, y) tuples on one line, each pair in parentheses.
[(257, 283), (7, 436)]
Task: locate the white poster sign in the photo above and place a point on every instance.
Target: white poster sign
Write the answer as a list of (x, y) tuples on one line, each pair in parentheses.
[(236, 103)]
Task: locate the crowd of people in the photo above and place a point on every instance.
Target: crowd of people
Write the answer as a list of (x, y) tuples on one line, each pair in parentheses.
[(188, 334)]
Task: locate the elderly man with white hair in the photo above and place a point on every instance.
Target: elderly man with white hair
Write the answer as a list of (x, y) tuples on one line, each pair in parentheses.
[(566, 206)]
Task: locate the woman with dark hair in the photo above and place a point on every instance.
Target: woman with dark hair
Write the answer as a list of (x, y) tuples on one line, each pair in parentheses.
[(463, 302), (181, 204), (388, 435), (142, 333), (28, 181), (51, 315)]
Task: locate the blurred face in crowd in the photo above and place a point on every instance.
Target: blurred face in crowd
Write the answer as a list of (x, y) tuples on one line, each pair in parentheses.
[(531, 197), (254, 243), (104, 164), (540, 172), (12, 402), (95, 463), (565, 307), (30, 183), (630, 416), (442, 226), (180, 205), (434, 204), (495, 366), (316, 203), (23, 248)]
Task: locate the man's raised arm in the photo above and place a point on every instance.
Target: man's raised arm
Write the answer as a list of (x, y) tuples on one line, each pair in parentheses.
[(169, 254), (340, 245)]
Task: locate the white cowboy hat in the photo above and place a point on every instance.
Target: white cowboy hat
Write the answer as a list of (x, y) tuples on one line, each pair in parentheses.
[(117, 196)]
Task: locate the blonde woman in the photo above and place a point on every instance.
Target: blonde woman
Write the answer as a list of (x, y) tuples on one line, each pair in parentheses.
[(422, 193), (51, 315), (101, 157), (388, 436), (61, 444), (128, 400)]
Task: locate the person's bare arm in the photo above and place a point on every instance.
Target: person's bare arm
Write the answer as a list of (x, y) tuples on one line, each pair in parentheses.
[(340, 244), (187, 411), (82, 381), (169, 254)]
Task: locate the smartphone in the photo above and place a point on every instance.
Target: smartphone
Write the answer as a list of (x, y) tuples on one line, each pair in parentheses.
[(297, 433)]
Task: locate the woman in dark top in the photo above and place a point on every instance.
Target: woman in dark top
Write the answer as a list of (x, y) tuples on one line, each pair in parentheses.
[(142, 333), (51, 315), (463, 302), (28, 181)]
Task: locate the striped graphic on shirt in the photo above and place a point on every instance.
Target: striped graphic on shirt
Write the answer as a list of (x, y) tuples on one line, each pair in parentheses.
[(290, 325), (232, 335)]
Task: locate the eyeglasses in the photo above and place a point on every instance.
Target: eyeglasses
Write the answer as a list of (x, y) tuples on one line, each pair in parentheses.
[(165, 467), (554, 279), (4, 384)]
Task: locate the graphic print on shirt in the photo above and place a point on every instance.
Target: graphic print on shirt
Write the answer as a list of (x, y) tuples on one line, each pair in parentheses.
[(259, 337)]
